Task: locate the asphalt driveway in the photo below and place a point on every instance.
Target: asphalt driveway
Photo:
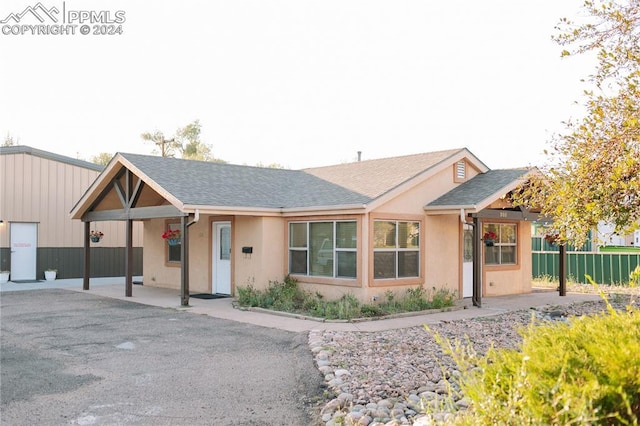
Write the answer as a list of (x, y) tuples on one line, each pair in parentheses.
[(75, 358)]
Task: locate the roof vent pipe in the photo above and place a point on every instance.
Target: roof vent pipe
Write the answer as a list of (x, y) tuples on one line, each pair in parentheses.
[(359, 155)]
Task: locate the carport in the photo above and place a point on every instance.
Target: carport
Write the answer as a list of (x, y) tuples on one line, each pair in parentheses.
[(121, 194)]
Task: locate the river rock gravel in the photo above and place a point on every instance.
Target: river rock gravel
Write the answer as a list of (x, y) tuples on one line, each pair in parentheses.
[(390, 377)]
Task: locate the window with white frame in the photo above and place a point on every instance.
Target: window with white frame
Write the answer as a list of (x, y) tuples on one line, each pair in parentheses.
[(396, 249), (501, 245), (323, 249)]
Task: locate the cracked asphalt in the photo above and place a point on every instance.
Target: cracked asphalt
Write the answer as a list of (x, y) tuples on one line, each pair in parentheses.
[(70, 358)]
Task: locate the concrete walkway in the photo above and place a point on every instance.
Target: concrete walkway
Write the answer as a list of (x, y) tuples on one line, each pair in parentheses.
[(222, 308)]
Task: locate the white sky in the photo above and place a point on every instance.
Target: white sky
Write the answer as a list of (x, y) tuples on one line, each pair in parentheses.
[(300, 83)]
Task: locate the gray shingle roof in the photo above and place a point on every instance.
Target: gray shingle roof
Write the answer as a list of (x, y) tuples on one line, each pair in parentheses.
[(228, 185), (376, 177), (477, 189)]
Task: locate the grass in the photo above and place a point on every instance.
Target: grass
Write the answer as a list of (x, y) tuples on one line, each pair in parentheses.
[(574, 286), (619, 249), (287, 296)]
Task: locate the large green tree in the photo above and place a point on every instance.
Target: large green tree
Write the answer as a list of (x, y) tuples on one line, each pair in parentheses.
[(593, 172)]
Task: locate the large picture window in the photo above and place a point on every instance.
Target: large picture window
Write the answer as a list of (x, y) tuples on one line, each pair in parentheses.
[(323, 249), (500, 243), (396, 249)]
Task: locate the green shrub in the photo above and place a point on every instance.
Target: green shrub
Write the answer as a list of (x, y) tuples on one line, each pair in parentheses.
[(248, 296), (286, 296), (418, 299), (371, 311), (584, 371)]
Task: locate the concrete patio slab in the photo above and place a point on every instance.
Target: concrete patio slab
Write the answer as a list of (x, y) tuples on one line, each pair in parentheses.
[(223, 308)]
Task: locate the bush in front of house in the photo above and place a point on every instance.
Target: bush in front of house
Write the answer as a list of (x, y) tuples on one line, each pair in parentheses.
[(584, 371), (286, 296)]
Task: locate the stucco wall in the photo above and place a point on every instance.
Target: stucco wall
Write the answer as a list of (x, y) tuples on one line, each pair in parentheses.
[(266, 237), (160, 273), (443, 241), (413, 200), (199, 257), (502, 280), (264, 234)]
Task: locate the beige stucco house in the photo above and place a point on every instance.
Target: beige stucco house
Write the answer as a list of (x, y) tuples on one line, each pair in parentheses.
[(37, 190), (361, 228)]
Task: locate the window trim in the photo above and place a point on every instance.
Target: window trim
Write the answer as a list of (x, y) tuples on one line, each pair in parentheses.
[(404, 281), (501, 265), (324, 278), (167, 261)]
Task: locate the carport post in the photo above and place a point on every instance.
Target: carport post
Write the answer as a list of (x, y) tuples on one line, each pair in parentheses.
[(477, 265), (87, 257), (562, 270), (184, 267), (128, 262)]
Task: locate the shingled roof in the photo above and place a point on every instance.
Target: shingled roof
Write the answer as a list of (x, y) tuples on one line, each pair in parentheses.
[(204, 183), (374, 178), (478, 189), (199, 184)]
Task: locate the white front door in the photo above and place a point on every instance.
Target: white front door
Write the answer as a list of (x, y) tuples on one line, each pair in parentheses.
[(221, 262), (467, 260), (24, 247)]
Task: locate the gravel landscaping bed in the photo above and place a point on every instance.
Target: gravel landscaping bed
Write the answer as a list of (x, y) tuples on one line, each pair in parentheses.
[(388, 377)]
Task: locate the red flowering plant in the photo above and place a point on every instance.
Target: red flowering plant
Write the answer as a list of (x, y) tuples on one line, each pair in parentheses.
[(171, 234), (96, 234), (490, 235)]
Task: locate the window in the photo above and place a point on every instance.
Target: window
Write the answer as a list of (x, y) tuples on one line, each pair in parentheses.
[(396, 252), (504, 248), (173, 253), (323, 249)]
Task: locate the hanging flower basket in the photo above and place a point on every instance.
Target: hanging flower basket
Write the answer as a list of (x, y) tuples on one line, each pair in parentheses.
[(95, 236), (489, 238), (552, 239), (172, 236)]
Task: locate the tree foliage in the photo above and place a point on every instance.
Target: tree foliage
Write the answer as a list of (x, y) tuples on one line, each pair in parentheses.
[(8, 140), (166, 147), (594, 170), (102, 158), (186, 142)]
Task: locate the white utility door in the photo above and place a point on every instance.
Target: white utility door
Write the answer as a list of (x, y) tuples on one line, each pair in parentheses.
[(24, 247), (221, 262), (467, 260)]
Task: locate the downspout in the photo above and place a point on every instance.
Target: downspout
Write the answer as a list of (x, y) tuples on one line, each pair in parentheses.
[(184, 276)]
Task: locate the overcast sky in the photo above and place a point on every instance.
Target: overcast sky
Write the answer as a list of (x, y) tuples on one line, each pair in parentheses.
[(300, 83)]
